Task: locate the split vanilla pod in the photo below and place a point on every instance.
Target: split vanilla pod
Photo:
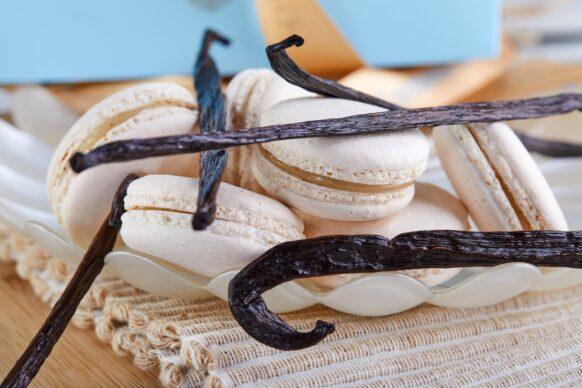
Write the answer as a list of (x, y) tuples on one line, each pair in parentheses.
[(212, 119)]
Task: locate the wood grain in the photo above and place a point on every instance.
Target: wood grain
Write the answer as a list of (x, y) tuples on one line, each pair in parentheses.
[(78, 359)]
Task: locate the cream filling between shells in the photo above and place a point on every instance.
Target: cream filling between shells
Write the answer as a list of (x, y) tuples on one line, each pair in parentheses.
[(280, 230), (63, 175), (518, 197), (329, 182), (224, 227)]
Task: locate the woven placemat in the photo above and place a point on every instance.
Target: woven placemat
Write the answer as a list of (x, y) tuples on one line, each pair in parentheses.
[(532, 340)]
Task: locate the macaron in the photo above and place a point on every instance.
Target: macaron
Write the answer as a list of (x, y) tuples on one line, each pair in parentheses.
[(82, 201), (247, 96), (253, 91), (158, 216), (355, 178), (432, 208), (497, 178)]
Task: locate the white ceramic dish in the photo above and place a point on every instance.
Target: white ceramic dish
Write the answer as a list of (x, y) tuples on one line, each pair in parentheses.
[(371, 295), (23, 153)]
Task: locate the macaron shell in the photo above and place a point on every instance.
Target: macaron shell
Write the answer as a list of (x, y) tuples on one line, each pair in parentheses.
[(474, 179), (251, 92), (248, 95), (484, 165), (279, 90), (326, 202), (430, 277), (88, 198), (127, 100), (223, 246), (83, 131), (520, 174), (234, 203), (82, 201), (239, 93), (431, 209), (253, 112), (389, 158)]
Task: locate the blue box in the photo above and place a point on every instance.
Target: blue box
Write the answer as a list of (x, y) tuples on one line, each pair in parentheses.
[(73, 41)]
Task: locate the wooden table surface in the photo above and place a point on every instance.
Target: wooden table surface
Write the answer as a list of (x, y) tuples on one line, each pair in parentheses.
[(78, 359)]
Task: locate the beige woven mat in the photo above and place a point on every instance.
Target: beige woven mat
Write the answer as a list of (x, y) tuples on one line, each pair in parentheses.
[(532, 340)]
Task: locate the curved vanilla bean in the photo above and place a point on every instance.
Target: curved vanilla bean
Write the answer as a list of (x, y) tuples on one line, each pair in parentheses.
[(364, 254), (283, 65), (557, 149), (212, 119), (389, 121), (42, 344)]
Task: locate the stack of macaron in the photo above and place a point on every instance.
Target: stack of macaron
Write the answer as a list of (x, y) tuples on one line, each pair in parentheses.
[(160, 203), (292, 189), (354, 185)]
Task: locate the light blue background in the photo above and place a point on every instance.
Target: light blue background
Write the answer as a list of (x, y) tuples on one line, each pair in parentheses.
[(72, 40)]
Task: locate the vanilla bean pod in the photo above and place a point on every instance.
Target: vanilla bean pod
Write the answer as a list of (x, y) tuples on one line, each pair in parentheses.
[(46, 338), (212, 119), (389, 121), (335, 255), (283, 65), (286, 68), (557, 149)]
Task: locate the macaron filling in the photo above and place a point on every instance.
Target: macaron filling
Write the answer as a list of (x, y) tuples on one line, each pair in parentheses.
[(480, 140), (102, 129), (223, 226), (329, 182), (272, 229), (63, 175)]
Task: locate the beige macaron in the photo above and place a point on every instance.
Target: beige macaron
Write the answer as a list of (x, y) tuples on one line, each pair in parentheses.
[(497, 178), (355, 178), (247, 96), (82, 201), (158, 222), (431, 209), (253, 91)]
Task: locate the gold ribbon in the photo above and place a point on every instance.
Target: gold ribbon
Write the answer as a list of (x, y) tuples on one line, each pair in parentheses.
[(325, 52)]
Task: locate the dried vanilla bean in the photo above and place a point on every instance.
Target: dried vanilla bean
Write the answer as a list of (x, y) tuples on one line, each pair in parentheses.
[(557, 149), (42, 344), (389, 121), (335, 255), (283, 65), (212, 119)]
